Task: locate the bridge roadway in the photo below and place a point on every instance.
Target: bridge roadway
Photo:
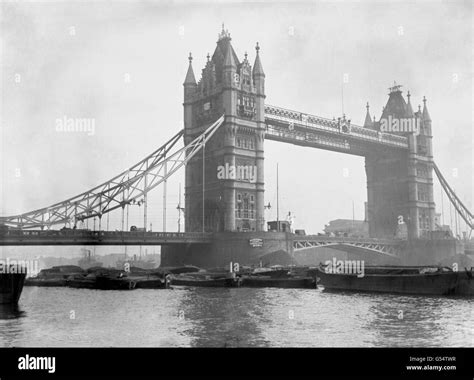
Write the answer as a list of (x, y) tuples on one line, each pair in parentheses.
[(88, 237), (336, 135)]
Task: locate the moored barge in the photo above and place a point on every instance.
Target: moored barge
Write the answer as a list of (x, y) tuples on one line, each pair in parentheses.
[(278, 282), (422, 280), (208, 280), (102, 279), (55, 276), (11, 284)]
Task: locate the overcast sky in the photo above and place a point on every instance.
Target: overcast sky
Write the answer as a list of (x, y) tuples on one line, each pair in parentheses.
[(72, 59)]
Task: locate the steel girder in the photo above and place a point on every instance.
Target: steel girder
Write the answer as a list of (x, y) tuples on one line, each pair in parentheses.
[(393, 250), (119, 191), (301, 125), (454, 199)]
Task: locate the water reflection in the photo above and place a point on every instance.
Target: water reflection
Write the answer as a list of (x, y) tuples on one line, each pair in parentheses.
[(11, 312), (414, 320), (224, 317), (11, 326), (233, 317)]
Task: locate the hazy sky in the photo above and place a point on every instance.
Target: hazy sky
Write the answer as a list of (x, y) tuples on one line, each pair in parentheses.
[(74, 59)]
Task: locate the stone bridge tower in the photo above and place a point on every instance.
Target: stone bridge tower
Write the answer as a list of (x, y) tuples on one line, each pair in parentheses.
[(233, 183), (400, 187)]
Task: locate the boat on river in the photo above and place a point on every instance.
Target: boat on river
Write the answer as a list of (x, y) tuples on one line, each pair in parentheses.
[(205, 279), (102, 279), (261, 281), (423, 280), (465, 285), (11, 284), (101, 283), (82, 282), (150, 281), (55, 276), (279, 277)]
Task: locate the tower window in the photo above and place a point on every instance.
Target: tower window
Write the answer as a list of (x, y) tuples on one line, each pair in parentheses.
[(246, 106)]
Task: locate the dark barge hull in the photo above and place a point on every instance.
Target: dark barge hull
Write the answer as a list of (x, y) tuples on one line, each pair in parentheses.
[(278, 282), (106, 283), (443, 283), (211, 283), (82, 284), (102, 283), (46, 282), (11, 286), (465, 285), (151, 283)]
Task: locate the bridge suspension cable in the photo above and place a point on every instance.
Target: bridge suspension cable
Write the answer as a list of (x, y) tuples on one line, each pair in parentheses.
[(462, 210), (128, 186)]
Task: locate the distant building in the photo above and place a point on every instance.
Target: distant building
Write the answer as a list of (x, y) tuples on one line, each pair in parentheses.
[(285, 226), (347, 227), (438, 224)]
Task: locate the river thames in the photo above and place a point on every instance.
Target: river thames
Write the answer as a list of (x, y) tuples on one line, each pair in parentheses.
[(233, 317)]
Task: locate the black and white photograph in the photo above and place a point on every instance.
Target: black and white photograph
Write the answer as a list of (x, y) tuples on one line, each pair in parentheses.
[(237, 174)]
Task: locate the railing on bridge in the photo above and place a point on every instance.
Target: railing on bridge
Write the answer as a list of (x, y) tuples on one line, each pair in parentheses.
[(347, 239), (77, 236), (321, 124), (305, 137)]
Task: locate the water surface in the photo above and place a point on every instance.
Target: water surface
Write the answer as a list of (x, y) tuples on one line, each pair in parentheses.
[(235, 317)]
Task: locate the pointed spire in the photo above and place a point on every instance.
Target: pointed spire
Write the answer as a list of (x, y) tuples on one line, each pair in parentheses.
[(190, 79), (368, 120), (229, 60), (395, 88), (409, 109), (224, 34), (426, 115), (208, 57), (257, 66)]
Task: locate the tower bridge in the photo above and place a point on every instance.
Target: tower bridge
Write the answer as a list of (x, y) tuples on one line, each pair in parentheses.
[(337, 135), (226, 123)]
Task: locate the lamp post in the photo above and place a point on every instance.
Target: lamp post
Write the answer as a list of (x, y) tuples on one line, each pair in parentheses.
[(180, 209)]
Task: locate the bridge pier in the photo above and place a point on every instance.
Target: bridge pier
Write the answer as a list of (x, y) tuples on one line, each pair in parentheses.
[(245, 248), (270, 248), (429, 252)]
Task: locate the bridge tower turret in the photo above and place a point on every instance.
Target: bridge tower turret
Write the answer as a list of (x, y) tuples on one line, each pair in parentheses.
[(400, 187), (258, 77), (233, 183), (190, 87)]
